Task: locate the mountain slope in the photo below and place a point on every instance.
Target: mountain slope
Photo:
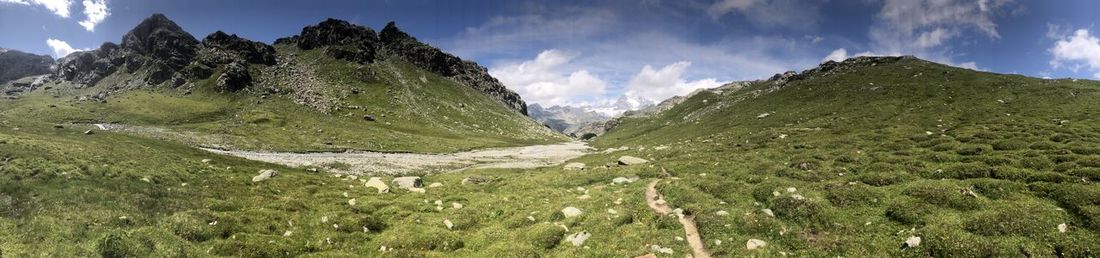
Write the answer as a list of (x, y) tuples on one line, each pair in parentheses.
[(336, 86), (15, 64), (854, 158)]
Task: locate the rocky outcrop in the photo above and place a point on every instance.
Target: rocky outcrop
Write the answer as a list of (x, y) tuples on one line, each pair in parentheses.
[(157, 51), (15, 64), (159, 37), (346, 41), (593, 129)]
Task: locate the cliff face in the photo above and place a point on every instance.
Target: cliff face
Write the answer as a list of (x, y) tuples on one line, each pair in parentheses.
[(15, 64), (361, 44)]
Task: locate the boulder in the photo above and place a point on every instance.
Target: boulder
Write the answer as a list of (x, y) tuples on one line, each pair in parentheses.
[(574, 166), (577, 239), (408, 182), (571, 211), (477, 180), (623, 180), (377, 183), (630, 160), (264, 175), (911, 242), (754, 244)]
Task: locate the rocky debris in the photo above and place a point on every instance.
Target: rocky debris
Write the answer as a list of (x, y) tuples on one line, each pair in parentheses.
[(15, 64), (577, 239), (235, 78), (377, 183), (763, 115), (574, 166), (911, 242), (264, 175), (229, 48), (968, 192), (88, 132), (1062, 228), (754, 244), (456, 205), (722, 213), (436, 184), (411, 183), (352, 202), (400, 44), (450, 225), (630, 160), (768, 212), (659, 249), (369, 118), (623, 180), (571, 211), (477, 180)]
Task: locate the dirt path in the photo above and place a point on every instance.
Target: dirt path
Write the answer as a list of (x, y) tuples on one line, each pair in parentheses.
[(658, 204), (375, 163)]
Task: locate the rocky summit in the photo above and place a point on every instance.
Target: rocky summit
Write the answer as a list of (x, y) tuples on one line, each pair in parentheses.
[(15, 64)]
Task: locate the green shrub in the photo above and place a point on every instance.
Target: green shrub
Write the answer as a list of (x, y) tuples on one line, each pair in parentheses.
[(996, 188), (545, 236), (1085, 150), (964, 171), (973, 149), (1043, 146), (421, 237), (1089, 162), (1018, 218), (798, 209), (199, 225), (120, 244), (885, 178), (909, 211), (943, 194), (1008, 145), (853, 195), (1092, 174), (1036, 163), (1062, 138)]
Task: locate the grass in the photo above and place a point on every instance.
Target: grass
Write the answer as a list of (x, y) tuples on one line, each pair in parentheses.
[(862, 167), (882, 153)]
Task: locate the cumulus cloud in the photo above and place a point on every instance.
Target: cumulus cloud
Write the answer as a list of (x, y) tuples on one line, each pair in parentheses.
[(926, 28), (95, 11), (58, 7), (544, 80), (837, 55), (1076, 51), (62, 48), (659, 84)]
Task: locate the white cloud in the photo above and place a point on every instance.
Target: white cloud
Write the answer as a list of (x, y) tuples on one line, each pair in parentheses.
[(58, 7), (62, 48), (660, 84), (934, 38), (543, 79), (914, 26), (837, 55), (1080, 50), (96, 11)]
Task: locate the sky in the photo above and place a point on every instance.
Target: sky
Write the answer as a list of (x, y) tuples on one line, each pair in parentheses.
[(594, 53)]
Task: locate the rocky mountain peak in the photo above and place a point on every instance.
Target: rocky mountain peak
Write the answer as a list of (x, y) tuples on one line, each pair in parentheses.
[(15, 64), (392, 34), (334, 32), (234, 46), (160, 37)]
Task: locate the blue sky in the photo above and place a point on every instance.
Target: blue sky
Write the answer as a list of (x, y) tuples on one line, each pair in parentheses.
[(591, 53)]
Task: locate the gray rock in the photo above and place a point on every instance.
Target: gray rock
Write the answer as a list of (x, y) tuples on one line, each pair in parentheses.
[(477, 180), (577, 239), (754, 244), (571, 211), (574, 166), (377, 183), (265, 175), (629, 160), (408, 182)]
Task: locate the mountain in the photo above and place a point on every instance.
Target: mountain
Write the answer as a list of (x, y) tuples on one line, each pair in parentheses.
[(855, 158), (565, 119), (15, 64), (334, 86)]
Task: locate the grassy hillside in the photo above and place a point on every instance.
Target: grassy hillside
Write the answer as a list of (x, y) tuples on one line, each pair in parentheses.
[(413, 110), (855, 162)]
